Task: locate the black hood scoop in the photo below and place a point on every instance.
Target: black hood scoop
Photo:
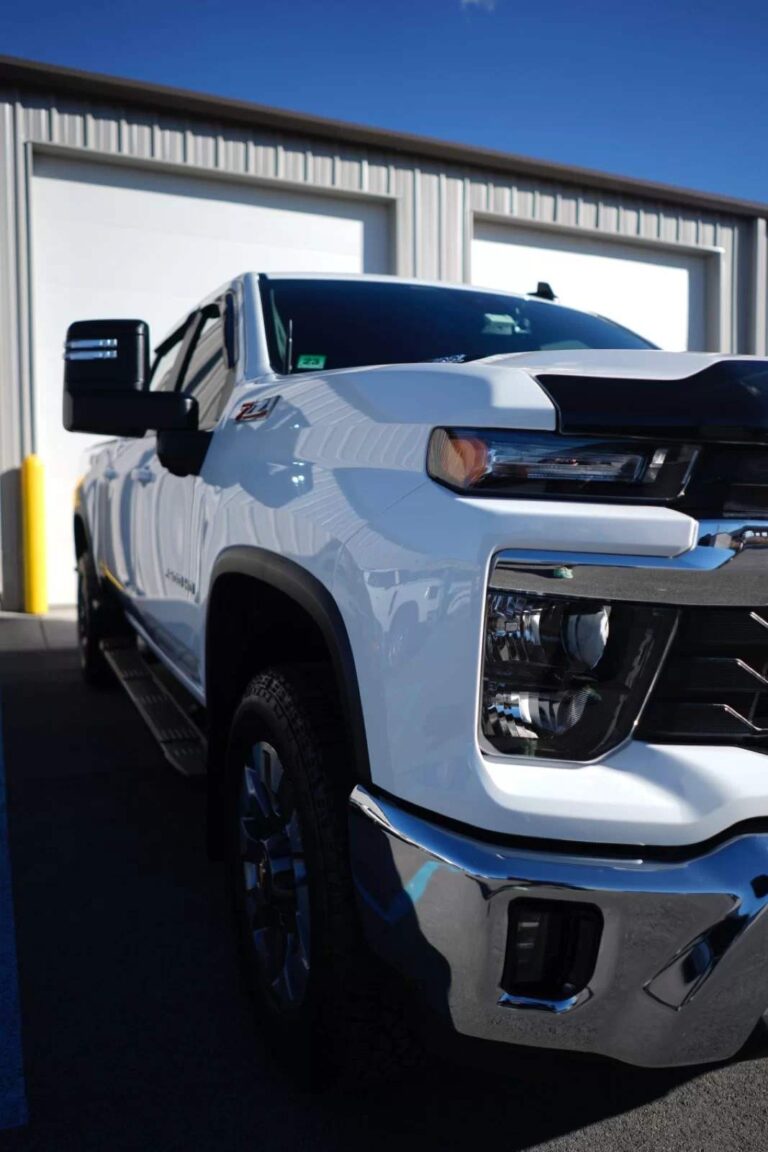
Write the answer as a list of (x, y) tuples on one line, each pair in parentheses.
[(725, 403)]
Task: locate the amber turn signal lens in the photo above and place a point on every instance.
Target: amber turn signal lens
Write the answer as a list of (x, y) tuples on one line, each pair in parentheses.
[(462, 461)]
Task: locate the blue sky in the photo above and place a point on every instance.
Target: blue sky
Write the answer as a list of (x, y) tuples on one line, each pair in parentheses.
[(676, 92)]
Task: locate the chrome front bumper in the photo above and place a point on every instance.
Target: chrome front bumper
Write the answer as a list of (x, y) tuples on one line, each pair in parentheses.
[(681, 975)]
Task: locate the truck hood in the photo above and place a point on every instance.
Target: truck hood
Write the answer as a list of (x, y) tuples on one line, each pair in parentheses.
[(688, 395), (648, 363)]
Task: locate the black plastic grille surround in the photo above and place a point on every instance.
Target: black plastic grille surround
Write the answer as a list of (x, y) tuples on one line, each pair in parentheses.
[(713, 688)]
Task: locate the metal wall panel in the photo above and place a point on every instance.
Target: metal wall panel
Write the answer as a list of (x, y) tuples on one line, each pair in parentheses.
[(434, 207), (432, 200)]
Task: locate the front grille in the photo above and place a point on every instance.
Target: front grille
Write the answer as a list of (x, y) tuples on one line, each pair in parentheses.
[(713, 688), (727, 480)]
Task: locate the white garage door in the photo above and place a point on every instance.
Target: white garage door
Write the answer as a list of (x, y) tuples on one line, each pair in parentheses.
[(113, 241), (659, 294)]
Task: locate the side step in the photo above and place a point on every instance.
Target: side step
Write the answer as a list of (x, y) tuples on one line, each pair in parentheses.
[(182, 744)]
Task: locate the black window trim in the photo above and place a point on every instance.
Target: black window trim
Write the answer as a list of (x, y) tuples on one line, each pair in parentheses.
[(217, 309), (226, 308), (176, 337)]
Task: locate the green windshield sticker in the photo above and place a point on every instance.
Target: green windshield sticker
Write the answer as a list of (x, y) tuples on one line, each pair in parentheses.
[(307, 363)]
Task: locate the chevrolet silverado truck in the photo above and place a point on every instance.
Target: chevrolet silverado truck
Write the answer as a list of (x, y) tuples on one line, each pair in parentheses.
[(459, 600)]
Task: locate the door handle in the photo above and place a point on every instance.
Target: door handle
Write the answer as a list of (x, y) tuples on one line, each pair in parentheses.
[(143, 475), (110, 473)]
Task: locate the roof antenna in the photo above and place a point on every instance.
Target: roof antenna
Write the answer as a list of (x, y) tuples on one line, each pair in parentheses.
[(543, 291)]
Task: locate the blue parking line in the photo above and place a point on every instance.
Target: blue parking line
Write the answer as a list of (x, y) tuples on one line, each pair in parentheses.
[(13, 1102)]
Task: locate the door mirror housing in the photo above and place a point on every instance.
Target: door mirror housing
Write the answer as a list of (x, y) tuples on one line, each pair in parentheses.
[(106, 370)]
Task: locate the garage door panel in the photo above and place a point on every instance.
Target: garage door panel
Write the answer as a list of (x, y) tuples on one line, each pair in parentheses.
[(654, 291), (111, 241)]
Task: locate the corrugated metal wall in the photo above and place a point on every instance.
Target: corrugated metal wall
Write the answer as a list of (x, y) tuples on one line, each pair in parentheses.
[(434, 209)]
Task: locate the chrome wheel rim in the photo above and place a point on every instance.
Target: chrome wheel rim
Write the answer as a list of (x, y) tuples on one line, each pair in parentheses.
[(274, 879)]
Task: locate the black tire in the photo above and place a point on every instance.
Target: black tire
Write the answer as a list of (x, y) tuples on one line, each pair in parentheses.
[(91, 621), (286, 730)]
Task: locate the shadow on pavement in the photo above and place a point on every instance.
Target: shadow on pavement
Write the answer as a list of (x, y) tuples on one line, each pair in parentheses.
[(136, 1034)]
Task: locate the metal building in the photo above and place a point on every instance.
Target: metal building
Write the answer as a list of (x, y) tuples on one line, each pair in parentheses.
[(120, 198)]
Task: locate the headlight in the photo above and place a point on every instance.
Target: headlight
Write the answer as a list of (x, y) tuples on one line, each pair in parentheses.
[(567, 678), (531, 464)]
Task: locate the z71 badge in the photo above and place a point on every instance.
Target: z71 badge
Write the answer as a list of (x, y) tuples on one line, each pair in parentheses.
[(255, 410)]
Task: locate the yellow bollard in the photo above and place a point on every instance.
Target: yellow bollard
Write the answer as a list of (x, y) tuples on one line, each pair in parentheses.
[(33, 530)]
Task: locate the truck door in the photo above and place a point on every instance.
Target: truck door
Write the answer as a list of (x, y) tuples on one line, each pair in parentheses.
[(114, 530), (133, 512), (166, 502)]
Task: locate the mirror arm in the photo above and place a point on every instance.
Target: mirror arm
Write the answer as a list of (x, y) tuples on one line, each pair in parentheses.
[(183, 452)]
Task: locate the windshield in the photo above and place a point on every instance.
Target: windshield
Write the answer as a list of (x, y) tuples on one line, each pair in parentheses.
[(323, 324)]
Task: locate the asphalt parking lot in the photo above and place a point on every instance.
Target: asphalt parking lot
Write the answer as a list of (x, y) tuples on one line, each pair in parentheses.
[(135, 1032)]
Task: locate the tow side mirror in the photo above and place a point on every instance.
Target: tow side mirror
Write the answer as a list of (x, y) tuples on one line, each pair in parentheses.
[(106, 368)]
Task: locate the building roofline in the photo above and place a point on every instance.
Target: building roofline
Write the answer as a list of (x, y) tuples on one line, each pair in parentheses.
[(29, 74)]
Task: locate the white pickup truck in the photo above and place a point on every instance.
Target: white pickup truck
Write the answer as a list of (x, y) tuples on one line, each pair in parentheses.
[(460, 600)]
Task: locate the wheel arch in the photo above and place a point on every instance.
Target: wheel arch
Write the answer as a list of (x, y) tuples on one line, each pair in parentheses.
[(80, 527), (290, 596)]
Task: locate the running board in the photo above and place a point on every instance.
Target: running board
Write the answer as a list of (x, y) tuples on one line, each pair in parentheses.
[(182, 744)]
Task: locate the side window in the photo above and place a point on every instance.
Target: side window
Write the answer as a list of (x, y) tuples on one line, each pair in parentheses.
[(163, 369), (208, 376)]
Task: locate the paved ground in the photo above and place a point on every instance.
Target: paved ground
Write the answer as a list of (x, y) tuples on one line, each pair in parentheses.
[(135, 1033)]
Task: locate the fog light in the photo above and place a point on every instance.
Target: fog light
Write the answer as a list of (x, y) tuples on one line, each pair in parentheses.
[(552, 948), (528, 930)]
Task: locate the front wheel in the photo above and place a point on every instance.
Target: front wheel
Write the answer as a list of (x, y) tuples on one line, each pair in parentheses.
[(302, 956)]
